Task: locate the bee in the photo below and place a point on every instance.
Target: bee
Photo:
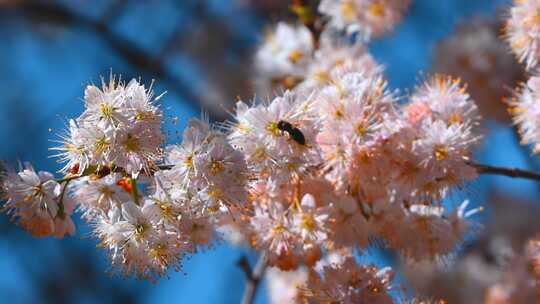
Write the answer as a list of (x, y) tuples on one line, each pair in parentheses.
[(294, 133)]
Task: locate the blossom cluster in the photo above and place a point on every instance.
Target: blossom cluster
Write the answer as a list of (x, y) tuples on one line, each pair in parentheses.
[(121, 125), (525, 108), (476, 54), (301, 175), (36, 202), (337, 278), (289, 57), (348, 282), (520, 279), (370, 18), (365, 166), (523, 35), (501, 267), (522, 31)]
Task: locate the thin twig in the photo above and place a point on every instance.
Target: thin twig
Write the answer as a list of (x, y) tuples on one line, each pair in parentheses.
[(69, 178), (524, 151), (480, 168), (61, 208), (135, 191), (254, 276), (510, 172)]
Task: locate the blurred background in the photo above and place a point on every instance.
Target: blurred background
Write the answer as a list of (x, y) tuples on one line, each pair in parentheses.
[(200, 52)]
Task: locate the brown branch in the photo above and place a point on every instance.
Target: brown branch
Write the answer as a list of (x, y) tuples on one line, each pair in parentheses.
[(480, 168), (509, 172), (131, 52), (254, 276), (113, 11), (306, 12)]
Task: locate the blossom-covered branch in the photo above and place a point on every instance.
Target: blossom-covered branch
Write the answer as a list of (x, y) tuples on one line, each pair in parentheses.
[(307, 177)]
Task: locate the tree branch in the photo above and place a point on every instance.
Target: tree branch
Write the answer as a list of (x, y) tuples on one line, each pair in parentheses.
[(131, 52), (509, 172), (480, 168), (254, 276)]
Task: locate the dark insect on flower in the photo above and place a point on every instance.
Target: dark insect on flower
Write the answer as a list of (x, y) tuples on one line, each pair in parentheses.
[(294, 133)]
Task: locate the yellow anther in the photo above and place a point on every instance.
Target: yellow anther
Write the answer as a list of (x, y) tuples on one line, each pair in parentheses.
[(441, 152)]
